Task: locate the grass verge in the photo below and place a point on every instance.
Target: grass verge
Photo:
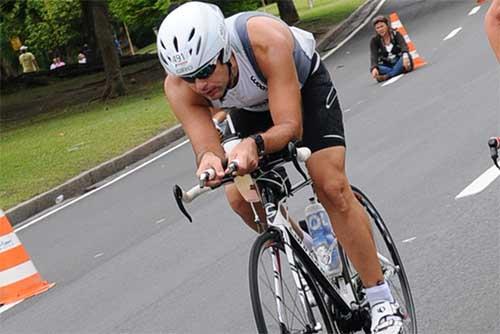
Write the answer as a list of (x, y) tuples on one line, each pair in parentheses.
[(48, 150), (322, 16)]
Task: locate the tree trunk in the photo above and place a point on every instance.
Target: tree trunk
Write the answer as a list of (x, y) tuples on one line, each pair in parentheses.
[(7, 70), (114, 80), (288, 12), (89, 35)]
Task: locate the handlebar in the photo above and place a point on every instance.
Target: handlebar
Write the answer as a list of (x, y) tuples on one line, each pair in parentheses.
[(292, 153), (494, 144)]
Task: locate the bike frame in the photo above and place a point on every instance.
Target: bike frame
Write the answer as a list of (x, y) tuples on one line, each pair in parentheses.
[(277, 219)]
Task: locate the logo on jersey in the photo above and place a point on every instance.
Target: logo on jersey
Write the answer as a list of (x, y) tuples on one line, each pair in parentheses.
[(257, 83)]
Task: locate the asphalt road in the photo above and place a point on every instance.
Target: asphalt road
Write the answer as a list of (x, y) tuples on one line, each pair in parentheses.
[(125, 260)]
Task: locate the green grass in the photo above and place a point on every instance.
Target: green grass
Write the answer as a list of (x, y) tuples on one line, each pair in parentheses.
[(323, 15), (48, 150), (151, 48)]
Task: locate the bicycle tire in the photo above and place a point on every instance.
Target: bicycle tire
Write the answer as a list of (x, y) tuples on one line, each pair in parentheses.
[(384, 240), (272, 239)]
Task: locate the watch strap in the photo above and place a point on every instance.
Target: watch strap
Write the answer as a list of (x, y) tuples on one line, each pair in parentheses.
[(259, 142)]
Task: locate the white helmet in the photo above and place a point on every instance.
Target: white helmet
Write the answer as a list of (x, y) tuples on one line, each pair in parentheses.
[(191, 36)]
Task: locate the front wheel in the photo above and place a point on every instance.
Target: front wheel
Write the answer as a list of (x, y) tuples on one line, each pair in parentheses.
[(279, 305), (390, 261)]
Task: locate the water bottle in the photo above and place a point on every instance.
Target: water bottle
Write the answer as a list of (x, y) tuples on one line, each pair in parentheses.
[(331, 238), (324, 240)]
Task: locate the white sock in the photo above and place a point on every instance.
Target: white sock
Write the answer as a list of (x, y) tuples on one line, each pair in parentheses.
[(379, 293), (307, 240)]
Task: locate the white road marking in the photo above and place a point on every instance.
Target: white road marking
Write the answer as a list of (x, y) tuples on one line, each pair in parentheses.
[(368, 19), (99, 188), (347, 110), (392, 80), (474, 10), (481, 183), (409, 240), (8, 306), (453, 33), (98, 255), (161, 221)]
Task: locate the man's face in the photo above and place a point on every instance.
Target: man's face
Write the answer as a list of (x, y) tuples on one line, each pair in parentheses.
[(214, 86), (381, 28)]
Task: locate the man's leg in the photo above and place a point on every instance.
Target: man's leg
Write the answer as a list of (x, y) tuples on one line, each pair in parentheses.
[(244, 210), (350, 222)]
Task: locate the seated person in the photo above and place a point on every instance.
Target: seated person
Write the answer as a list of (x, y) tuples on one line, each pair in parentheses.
[(388, 51), (82, 59), (56, 63)]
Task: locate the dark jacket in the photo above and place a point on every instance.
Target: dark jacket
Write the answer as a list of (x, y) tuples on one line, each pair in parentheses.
[(378, 53)]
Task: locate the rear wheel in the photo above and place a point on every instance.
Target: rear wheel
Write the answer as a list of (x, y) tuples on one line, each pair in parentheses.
[(294, 315)]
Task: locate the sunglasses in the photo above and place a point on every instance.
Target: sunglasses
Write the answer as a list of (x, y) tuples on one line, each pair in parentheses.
[(203, 73)]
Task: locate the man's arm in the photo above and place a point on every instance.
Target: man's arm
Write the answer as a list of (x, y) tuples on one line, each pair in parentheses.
[(273, 45), (193, 111), (492, 25), (37, 68)]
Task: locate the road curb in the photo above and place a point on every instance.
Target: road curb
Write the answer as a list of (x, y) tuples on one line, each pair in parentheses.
[(332, 38), (87, 180)]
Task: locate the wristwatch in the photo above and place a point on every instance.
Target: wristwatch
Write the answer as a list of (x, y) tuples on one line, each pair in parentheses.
[(259, 142)]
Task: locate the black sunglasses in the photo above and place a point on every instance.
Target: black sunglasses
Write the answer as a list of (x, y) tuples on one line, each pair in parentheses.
[(203, 73)]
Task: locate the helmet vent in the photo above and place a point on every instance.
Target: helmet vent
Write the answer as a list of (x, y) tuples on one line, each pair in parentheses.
[(190, 52), (176, 46), (162, 45), (191, 35), (163, 59), (198, 46)]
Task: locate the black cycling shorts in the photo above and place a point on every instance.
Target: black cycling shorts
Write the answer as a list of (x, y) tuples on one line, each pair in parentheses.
[(321, 114)]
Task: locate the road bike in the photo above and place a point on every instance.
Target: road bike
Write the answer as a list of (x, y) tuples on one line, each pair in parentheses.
[(289, 290)]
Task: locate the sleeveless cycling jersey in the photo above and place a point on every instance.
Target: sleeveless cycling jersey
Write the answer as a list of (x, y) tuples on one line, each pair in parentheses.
[(250, 92)]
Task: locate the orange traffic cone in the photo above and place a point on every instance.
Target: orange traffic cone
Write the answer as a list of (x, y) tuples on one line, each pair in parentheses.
[(396, 24), (479, 2), (19, 278)]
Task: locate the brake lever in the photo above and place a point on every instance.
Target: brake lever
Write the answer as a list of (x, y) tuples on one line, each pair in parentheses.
[(494, 143), (292, 149), (178, 199)]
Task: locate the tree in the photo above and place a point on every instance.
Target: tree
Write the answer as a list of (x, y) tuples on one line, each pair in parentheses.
[(139, 18), (102, 27), (288, 12), (44, 26)]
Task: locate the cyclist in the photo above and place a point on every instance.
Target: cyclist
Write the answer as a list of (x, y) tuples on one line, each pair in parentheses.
[(270, 72), (492, 25)]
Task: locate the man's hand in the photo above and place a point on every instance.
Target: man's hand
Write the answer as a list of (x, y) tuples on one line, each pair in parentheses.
[(211, 161), (375, 73), (246, 155)]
